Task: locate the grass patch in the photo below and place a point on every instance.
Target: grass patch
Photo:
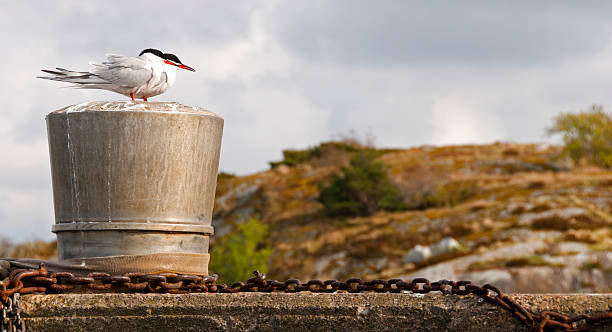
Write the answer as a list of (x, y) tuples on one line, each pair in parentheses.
[(586, 284), (522, 261), (34, 249), (444, 195), (602, 246), (591, 265), (560, 222), (225, 176), (534, 260), (556, 253)]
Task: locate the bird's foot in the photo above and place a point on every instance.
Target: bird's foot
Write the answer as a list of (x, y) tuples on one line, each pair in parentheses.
[(132, 96), (144, 98)]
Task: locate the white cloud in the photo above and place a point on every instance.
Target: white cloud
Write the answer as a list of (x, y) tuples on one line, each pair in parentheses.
[(26, 209), (26, 214), (456, 120)]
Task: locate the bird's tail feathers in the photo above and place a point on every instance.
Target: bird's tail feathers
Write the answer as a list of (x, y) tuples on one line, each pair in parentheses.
[(74, 77)]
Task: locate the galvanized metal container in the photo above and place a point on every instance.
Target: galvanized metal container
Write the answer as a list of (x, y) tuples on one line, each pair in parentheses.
[(134, 185)]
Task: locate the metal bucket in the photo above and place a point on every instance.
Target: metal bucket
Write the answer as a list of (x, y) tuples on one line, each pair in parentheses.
[(134, 185)]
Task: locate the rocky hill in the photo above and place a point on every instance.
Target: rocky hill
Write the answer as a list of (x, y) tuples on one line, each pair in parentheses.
[(517, 216)]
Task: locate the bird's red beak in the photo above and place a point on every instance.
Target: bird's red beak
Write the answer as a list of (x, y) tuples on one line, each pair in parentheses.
[(186, 67), (180, 65)]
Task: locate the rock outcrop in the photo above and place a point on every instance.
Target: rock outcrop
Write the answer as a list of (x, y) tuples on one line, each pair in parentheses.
[(514, 215)]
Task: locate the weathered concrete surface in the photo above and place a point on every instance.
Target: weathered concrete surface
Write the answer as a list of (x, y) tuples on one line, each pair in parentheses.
[(280, 311)]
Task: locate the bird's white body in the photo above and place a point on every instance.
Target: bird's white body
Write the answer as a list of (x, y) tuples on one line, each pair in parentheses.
[(144, 76)]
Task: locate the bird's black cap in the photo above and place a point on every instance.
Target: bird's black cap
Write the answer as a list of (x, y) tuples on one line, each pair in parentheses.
[(152, 51), (171, 57), (166, 56)]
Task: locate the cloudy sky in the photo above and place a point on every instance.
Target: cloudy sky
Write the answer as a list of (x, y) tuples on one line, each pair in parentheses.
[(289, 74)]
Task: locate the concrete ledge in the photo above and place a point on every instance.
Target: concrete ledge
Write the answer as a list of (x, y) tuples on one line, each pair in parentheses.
[(280, 311)]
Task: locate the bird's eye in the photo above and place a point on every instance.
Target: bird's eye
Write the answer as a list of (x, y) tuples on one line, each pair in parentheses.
[(171, 57)]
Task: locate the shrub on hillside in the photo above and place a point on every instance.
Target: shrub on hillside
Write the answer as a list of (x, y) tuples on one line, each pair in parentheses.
[(225, 176), (442, 195), (337, 152), (361, 189), (235, 255), (296, 157), (587, 135), (422, 186)]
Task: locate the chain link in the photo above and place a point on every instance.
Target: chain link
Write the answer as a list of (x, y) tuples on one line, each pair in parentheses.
[(10, 318), (26, 281)]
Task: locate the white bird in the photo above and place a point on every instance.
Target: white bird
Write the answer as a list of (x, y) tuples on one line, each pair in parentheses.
[(150, 74)]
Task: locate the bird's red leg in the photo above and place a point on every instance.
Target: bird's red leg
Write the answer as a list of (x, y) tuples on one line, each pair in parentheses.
[(132, 96), (144, 98)]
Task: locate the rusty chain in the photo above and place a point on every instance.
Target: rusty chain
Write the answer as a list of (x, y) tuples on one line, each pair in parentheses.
[(26, 281), (10, 318)]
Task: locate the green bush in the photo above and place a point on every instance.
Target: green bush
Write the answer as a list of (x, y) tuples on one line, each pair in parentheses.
[(526, 261), (236, 255), (591, 265), (225, 176), (520, 261), (361, 189), (296, 157), (350, 146), (586, 135)]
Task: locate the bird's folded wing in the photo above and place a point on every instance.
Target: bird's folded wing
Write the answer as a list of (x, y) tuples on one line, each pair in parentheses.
[(123, 71)]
